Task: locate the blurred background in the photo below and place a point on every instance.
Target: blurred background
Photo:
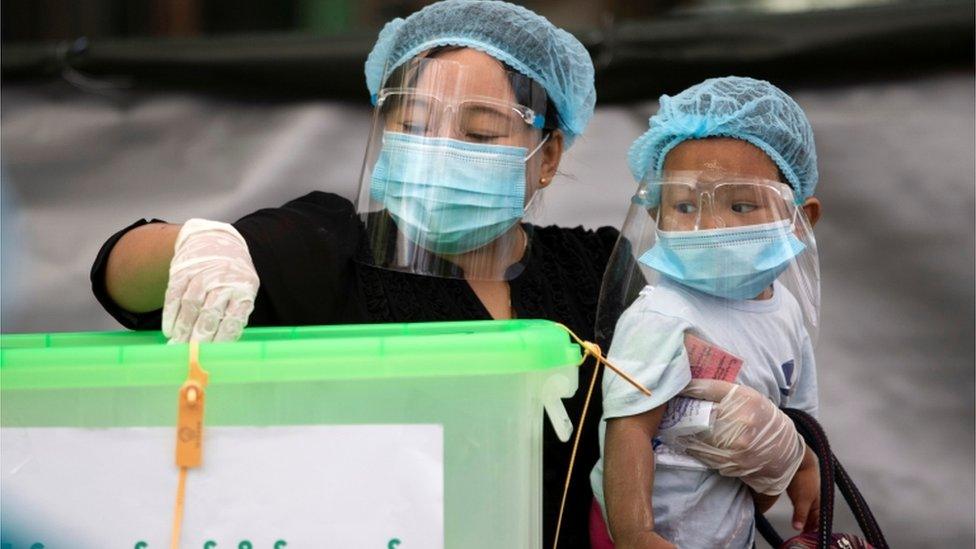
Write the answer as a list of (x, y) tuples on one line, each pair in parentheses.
[(113, 110)]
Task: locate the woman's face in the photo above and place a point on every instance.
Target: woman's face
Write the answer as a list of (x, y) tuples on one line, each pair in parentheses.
[(467, 95)]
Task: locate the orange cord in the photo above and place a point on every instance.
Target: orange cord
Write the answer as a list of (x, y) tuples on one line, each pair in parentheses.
[(572, 456), (592, 349), (589, 349)]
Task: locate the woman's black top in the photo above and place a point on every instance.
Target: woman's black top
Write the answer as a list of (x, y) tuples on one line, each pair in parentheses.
[(305, 255)]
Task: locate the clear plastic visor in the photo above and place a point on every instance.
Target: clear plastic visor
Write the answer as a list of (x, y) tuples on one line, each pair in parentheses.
[(451, 165), (683, 203), (733, 238)]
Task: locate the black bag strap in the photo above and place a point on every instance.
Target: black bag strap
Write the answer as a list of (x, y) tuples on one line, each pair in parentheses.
[(831, 471), (865, 518), (767, 531), (816, 439)]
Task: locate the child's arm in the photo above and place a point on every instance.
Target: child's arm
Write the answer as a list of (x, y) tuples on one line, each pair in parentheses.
[(762, 501), (629, 480)]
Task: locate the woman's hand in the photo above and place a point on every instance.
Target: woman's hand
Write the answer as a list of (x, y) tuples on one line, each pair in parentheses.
[(804, 493), (212, 284), (749, 437)]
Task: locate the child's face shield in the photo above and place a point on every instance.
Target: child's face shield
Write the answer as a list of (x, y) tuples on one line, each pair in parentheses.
[(686, 201), (450, 167), (727, 236)]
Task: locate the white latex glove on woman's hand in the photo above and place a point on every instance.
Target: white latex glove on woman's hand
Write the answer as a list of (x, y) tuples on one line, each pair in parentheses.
[(212, 284), (748, 438)]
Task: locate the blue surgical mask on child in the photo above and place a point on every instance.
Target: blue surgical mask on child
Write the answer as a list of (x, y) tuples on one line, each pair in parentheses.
[(734, 263), (447, 195)]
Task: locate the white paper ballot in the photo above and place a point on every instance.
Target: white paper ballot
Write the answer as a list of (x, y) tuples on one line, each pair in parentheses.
[(684, 416)]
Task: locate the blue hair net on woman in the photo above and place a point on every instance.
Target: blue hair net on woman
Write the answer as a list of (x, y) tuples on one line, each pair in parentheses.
[(527, 42), (743, 108)]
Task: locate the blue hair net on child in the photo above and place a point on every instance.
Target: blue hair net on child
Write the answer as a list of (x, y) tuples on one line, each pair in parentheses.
[(743, 108), (527, 42)]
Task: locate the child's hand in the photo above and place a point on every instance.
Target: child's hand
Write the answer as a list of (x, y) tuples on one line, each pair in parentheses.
[(804, 492)]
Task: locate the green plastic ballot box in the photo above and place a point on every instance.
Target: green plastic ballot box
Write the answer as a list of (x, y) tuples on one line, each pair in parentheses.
[(389, 436)]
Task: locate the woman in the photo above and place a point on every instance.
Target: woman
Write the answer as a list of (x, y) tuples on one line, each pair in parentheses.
[(475, 103)]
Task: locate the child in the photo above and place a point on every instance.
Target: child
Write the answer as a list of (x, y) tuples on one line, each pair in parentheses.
[(728, 169)]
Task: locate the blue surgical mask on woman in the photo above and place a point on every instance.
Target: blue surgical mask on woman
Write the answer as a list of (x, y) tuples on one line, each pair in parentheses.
[(447, 195), (733, 263)]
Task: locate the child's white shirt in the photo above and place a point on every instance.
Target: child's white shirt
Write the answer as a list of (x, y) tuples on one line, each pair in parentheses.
[(695, 506)]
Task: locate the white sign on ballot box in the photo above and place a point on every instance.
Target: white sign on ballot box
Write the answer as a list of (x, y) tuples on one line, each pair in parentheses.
[(284, 487)]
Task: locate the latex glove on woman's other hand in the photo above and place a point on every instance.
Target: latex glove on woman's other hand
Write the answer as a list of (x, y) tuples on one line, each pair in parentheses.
[(212, 284), (748, 438)]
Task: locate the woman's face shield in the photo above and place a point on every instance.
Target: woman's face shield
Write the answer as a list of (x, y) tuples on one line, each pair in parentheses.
[(448, 165), (725, 235), (470, 119)]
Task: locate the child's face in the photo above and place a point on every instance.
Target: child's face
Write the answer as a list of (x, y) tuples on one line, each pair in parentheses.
[(738, 179)]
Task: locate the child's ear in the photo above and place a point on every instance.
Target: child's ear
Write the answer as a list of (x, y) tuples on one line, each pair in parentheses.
[(811, 207)]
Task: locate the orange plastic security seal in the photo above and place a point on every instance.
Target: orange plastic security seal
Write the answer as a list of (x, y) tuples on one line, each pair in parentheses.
[(189, 432), (189, 423)]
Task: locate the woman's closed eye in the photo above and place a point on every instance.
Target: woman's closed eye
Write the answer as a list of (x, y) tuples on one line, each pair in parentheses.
[(414, 128), (481, 137)]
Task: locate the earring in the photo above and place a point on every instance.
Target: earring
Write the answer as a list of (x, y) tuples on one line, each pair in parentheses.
[(543, 180)]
